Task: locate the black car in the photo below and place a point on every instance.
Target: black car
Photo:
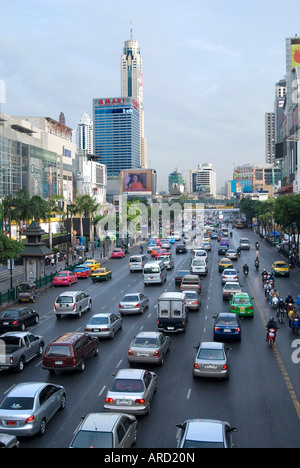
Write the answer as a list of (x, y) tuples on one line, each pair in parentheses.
[(180, 274), (181, 248), (227, 327), (222, 250), (18, 319)]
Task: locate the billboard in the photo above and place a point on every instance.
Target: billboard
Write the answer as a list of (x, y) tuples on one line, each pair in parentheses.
[(137, 181), (42, 172), (295, 46)]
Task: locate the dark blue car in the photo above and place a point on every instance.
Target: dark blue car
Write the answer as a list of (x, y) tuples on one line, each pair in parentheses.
[(227, 327)]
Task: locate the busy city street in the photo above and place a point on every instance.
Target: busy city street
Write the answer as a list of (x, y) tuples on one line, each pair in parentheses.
[(261, 398)]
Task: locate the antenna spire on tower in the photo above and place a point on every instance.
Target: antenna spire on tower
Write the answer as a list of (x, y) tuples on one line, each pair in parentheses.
[(131, 31)]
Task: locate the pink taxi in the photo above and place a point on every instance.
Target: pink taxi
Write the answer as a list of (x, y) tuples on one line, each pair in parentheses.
[(118, 253), (64, 278)]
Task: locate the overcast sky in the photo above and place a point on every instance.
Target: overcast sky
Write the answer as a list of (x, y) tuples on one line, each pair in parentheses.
[(210, 68)]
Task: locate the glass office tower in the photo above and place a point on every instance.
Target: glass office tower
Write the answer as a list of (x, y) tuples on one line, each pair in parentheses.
[(117, 133)]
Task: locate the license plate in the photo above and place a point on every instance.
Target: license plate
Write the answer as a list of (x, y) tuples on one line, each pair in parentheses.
[(227, 330), (5, 323), (59, 363), (143, 354), (242, 309), (210, 366), (95, 330), (125, 402), (170, 328), (11, 423)]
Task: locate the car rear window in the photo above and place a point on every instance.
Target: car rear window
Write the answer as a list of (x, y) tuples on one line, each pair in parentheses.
[(152, 269), (64, 300), (10, 313), (59, 350), (127, 386), (226, 320), (98, 321), (93, 439), (211, 354), (17, 403), (62, 275), (145, 342), (135, 259), (130, 299)]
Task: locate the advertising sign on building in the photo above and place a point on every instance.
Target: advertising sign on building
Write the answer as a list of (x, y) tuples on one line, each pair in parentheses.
[(42, 172)]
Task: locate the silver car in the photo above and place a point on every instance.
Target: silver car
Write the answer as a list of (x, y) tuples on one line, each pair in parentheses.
[(192, 300), (232, 254), (72, 303), (133, 303), (204, 433), (131, 392), (231, 275), (212, 361), (230, 289), (104, 325), (168, 261), (29, 406), (149, 347), (103, 430)]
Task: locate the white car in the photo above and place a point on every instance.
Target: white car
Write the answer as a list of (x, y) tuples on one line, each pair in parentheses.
[(231, 275), (204, 433)]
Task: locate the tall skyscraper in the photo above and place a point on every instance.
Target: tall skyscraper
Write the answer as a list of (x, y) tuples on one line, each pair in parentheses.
[(132, 85), (85, 134), (270, 137)]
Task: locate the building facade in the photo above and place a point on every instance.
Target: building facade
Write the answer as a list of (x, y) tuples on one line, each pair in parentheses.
[(117, 133), (203, 180), (132, 86), (270, 137)]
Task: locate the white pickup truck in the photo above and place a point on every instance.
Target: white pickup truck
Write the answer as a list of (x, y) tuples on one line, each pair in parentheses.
[(18, 348)]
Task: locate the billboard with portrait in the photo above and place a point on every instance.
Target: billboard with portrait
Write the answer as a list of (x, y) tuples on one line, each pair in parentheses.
[(137, 181)]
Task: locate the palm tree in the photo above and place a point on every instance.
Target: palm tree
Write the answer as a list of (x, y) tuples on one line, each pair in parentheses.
[(51, 208)]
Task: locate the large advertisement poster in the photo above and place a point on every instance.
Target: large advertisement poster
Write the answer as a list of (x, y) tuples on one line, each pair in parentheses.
[(295, 44), (137, 180), (42, 172)]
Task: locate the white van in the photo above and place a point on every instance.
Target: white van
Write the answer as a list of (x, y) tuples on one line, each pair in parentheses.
[(199, 266), (154, 272), (136, 262)]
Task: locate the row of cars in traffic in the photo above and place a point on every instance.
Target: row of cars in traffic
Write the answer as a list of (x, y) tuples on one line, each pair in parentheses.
[(28, 407)]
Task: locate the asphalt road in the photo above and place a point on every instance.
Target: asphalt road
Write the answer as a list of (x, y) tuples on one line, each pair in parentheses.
[(261, 398)]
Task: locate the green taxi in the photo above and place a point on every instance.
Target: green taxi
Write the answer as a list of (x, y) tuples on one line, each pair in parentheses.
[(101, 274), (242, 305)]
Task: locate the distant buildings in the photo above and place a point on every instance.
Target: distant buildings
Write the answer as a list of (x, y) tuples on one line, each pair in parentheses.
[(203, 180)]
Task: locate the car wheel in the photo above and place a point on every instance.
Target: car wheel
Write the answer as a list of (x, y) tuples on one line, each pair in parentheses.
[(20, 367), (63, 402), (36, 321), (41, 349), (42, 428), (81, 366), (90, 305), (79, 313), (96, 351)]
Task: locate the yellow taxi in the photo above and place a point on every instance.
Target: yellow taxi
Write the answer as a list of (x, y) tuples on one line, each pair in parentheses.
[(101, 274), (225, 263), (281, 268), (92, 264)]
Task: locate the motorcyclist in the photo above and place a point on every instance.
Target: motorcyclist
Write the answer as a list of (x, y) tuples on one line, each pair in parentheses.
[(264, 276), (257, 245), (271, 324), (273, 293), (293, 315), (141, 249), (245, 269), (280, 307), (256, 263), (289, 302)]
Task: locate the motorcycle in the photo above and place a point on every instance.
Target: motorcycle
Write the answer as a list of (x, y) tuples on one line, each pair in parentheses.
[(264, 279), (295, 326), (257, 245), (271, 337), (281, 313), (275, 302), (257, 265), (246, 271)]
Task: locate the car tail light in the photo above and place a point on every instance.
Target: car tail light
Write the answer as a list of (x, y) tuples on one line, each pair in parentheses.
[(130, 353), (87, 329), (196, 366), (251, 308), (217, 329), (109, 400), (233, 307), (74, 362), (74, 306), (140, 401), (16, 322), (225, 367), (54, 306), (138, 305), (11, 360), (30, 419), (120, 306), (156, 353), (237, 329)]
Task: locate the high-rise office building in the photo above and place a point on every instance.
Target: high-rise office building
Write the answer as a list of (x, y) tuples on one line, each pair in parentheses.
[(132, 86), (117, 133), (85, 134), (270, 137), (203, 180)]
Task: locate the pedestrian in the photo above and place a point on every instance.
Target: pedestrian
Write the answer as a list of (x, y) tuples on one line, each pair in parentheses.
[(52, 261)]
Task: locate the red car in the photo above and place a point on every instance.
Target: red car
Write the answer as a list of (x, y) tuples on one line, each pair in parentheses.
[(83, 271), (118, 253), (64, 278), (161, 252)]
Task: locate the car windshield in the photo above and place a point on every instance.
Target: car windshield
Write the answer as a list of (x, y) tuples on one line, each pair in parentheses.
[(132, 298), (17, 403), (127, 386), (145, 342), (98, 321), (191, 295), (198, 262), (59, 350), (93, 439), (211, 354)]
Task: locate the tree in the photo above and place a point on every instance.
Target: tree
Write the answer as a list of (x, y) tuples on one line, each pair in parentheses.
[(9, 249)]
